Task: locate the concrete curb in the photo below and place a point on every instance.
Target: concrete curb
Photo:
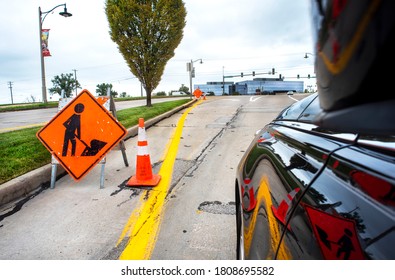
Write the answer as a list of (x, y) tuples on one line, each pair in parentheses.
[(25, 184)]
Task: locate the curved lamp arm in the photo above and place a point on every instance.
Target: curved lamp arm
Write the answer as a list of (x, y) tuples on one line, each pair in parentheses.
[(64, 13)]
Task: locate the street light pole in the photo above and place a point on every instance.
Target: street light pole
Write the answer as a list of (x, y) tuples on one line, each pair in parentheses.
[(191, 70), (306, 55), (40, 26), (44, 89), (223, 80)]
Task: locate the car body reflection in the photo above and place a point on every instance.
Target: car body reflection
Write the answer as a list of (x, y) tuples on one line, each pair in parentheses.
[(307, 193)]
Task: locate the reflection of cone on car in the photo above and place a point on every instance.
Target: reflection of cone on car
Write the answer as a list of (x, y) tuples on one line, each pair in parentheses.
[(282, 210), (247, 190), (144, 175)]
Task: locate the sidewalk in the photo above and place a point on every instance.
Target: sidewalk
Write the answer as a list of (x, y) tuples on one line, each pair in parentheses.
[(26, 184)]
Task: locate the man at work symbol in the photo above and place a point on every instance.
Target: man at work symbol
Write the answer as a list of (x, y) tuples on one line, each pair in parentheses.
[(73, 131)]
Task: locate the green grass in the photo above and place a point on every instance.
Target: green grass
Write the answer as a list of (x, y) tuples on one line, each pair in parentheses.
[(21, 151), (130, 117), (30, 106), (54, 104)]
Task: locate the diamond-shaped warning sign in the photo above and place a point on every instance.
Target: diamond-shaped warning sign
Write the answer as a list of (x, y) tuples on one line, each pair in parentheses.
[(81, 134), (336, 235)]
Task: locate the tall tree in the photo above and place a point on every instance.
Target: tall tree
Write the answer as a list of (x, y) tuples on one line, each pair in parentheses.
[(65, 82), (147, 32)]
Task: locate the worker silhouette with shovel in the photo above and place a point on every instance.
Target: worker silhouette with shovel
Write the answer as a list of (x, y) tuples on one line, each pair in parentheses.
[(73, 131)]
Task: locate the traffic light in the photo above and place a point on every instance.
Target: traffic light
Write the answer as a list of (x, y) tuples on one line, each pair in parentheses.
[(298, 76), (308, 76), (241, 74), (253, 73), (273, 71)]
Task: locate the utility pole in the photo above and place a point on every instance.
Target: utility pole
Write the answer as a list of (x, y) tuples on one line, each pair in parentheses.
[(10, 86), (75, 78), (223, 80), (191, 71)]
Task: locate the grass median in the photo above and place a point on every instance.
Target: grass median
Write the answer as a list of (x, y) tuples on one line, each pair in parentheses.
[(21, 151)]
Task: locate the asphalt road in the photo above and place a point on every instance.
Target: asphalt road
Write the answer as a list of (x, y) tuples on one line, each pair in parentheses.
[(29, 118), (189, 215)]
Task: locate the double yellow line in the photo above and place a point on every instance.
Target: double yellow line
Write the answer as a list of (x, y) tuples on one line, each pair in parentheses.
[(143, 225)]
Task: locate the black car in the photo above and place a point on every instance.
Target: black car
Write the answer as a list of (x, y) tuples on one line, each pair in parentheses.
[(305, 192)]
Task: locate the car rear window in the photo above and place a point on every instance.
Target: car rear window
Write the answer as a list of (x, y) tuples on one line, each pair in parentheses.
[(311, 111), (294, 111)]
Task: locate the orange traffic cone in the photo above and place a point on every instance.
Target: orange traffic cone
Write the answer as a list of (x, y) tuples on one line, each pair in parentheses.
[(144, 175)]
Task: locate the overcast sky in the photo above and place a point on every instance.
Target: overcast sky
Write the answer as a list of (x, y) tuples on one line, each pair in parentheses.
[(230, 36)]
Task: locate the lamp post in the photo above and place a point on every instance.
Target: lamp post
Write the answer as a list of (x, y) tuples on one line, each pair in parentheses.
[(40, 27), (223, 80), (306, 55), (191, 70)]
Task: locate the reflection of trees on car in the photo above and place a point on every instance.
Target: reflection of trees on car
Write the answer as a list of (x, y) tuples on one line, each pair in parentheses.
[(298, 161)]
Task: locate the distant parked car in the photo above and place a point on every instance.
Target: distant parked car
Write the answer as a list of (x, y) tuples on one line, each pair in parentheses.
[(290, 92), (305, 192)]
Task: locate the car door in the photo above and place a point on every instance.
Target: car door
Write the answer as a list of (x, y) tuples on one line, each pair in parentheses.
[(348, 211), (277, 169), (301, 154)]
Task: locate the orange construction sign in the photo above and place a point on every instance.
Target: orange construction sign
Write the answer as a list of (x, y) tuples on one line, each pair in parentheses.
[(81, 134), (197, 93)]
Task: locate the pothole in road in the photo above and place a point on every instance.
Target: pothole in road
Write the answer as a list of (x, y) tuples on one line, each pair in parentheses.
[(217, 207)]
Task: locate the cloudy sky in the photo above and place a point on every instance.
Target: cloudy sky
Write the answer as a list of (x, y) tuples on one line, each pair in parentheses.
[(230, 36)]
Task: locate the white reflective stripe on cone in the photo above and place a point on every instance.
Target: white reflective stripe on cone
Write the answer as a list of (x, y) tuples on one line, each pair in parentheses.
[(142, 151), (141, 136)]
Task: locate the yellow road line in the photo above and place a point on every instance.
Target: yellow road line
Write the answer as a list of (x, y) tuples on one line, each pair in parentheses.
[(275, 233), (144, 222)]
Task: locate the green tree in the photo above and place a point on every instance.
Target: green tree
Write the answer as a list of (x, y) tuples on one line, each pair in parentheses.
[(65, 82), (161, 93), (102, 89), (147, 32), (184, 88)]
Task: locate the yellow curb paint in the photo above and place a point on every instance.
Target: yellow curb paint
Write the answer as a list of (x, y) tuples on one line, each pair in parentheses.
[(144, 222)]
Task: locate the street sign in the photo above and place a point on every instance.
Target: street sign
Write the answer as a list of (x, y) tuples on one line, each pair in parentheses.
[(81, 134), (197, 93)]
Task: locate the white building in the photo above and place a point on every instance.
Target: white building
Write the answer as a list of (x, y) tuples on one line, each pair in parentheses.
[(250, 87)]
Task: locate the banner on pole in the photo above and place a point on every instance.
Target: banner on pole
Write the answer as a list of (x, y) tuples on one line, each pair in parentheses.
[(44, 46)]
